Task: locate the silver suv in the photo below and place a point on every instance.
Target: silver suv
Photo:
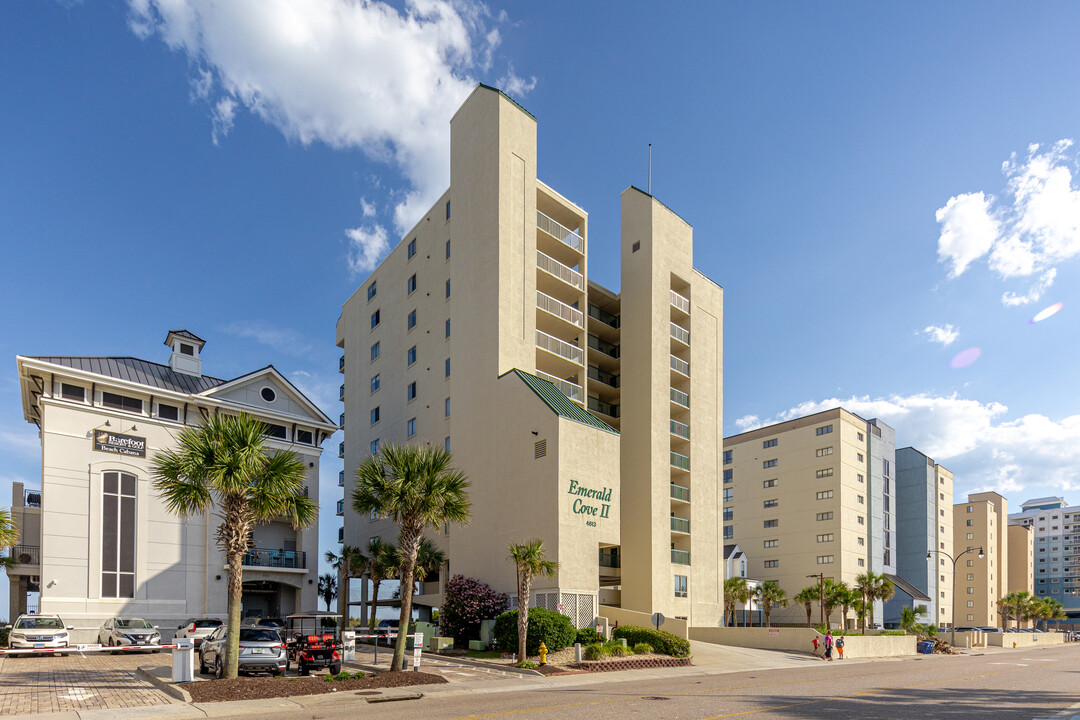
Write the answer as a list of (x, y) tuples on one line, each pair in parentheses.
[(261, 650), (39, 632)]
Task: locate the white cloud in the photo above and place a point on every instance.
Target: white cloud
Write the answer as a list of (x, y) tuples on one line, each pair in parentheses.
[(367, 246), (514, 85), (945, 335), (968, 230), (368, 208), (362, 75), (1010, 299), (284, 340), (319, 388)]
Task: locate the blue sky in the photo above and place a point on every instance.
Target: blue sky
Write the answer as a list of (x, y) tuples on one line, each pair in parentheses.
[(877, 186)]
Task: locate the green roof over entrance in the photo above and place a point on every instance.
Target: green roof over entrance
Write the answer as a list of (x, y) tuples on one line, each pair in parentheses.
[(561, 405)]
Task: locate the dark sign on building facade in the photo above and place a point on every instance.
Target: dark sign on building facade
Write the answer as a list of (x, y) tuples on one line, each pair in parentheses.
[(110, 442)]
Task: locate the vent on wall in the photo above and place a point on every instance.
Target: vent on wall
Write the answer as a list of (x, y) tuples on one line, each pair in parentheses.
[(540, 450), (636, 246)]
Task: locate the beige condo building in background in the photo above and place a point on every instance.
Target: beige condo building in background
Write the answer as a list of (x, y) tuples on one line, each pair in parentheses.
[(981, 522), (1021, 578), (584, 417)]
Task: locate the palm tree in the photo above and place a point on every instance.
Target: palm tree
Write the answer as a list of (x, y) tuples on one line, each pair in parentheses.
[(860, 610), (865, 586), (529, 562), (429, 559), (834, 595), (1006, 609), (9, 535), (736, 590), (225, 464), (808, 596), (770, 594), (1021, 606), (328, 588), (885, 591), (416, 487), (348, 564), (907, 618), (847, 596), (1052, 610), (383, 563)]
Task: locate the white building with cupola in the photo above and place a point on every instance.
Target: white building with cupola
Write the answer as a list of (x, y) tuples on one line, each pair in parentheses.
[(103, 543)]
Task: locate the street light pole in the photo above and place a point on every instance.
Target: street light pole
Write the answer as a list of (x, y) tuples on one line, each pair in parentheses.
[(952, 638), (821, 595)]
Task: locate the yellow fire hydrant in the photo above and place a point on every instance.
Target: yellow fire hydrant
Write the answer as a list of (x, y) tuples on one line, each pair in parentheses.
[(543, 653)]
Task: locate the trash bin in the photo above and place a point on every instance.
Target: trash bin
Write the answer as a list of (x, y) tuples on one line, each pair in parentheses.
[(926, 647)]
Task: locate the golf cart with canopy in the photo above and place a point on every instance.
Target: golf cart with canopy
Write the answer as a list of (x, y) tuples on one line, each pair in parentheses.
[(312, 641)]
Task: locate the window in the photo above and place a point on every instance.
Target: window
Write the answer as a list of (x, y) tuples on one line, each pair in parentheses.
[(971, 591), (769, 443), (446, 407), (729, 514), (371, 291), (412, 355), (971, 508), (727, 456), (884, 466), (412, 248), (824, 516), (859, 478), (970, 523), (121, 402), (971, 577), (941, 512), (447, 209), (862, 520), (825, 537), (970, 536), (858, 457), (824, 559), (827, 472), (825, 430), (412, 320), (859, 435), (447, 327), (772, 543), (768, 484), (118, 535), (446, 369), (860, 499), (304, 437), (729, 494), (410, 427), (862, 542), (772, 564), (822, 452), (410, 392), (375, 319), (375, 383), (771, 503), (862, 563), (168, 412), (375, 352), (970, 563), (824, 494), (729, 532), (448, 289), (772, 523), (769, 464), (447, 249), (72, 392), (374, 414), (446, 442), (729, 475), (374, 446)]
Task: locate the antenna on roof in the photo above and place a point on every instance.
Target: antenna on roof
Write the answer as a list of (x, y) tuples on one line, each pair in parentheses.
[(650, 168)]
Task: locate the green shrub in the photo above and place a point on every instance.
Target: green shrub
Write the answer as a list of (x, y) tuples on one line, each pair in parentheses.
[(552, 628), (328, 677), (617, 649), (893, 632), (642, 649), (527, 664), (595, 651), (662, 642), (586, 636)]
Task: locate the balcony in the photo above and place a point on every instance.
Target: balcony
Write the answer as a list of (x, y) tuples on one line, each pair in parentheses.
[(341, 392), (680, 557), (680, 366), (598, 313), (560, 310), (558, 231), (341, 449), (563, 349), (680, 493), (609, 560), (340, 508), (565, 273), (341, 478), (341, 534), (609, 379), (603, 346), (275, 558), (341, 364), (680, 333), (569, 389), (680, 461), (32, 498), (680, 525), (679, 429), (25, 554), (680, 398), (604, 408), (679, 302), (341, 420)]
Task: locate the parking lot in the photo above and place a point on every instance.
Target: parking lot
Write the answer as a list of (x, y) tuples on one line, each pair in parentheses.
[(50, 683)]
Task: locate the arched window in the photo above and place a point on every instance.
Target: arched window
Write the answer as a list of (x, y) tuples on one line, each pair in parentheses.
[(118, 535)]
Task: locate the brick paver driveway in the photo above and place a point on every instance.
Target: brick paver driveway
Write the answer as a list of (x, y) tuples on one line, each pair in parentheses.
[(50, 683)]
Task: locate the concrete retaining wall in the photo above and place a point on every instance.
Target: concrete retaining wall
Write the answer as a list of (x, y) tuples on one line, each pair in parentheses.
[(631, 617), (801, 640), (1024, 640)]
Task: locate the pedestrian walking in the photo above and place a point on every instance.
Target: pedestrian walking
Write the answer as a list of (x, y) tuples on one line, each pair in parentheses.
[(828, 646), (840, 646), (816, 643)]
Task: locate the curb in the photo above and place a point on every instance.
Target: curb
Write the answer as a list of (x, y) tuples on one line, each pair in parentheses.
[(172, 690), (472, 662)]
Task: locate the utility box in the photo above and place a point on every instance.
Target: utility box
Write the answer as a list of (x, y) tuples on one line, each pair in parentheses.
[(477, 645), (439, 644), (183, 661), (487, 632), (348, 645)]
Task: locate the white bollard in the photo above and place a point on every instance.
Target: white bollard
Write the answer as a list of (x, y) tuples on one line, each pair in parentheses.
[(348, 645), (577, 652), (183, 660)]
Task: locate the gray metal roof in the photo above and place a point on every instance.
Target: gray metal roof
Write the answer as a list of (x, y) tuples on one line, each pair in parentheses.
[(902, 584), (138, 371), (186, 334)]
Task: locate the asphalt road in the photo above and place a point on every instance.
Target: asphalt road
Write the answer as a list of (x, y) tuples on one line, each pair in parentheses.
[(995, 686)]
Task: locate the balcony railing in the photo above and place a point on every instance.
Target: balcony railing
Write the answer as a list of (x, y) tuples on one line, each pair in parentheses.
[(553, 267), (680, 557), (341, 534), (679, 365), (340, 507), (680, 525), (32, 498), (680, 302), (569, 389), (679, 429), (678, 492), (341, 420), (341, 364), (603, 346), (341, 392), (25, 554), (275, 557), (341, 449), (680, 398), (560, 309), (560, 232), (595, 311), (605, 377), (680, 333), (559, 347), (609, 560), (680, 461), (604, 408), (341, 478)]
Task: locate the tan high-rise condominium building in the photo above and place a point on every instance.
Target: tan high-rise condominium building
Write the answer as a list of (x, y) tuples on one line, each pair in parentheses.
[(1021, 559), (584, 417), (981, 522)]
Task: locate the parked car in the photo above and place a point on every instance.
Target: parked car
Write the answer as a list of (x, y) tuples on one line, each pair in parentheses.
[(197, 629), (967, 628), (261, 650), (265, 622), (121, 631), (990, 629), (39, 631), (387, 627)]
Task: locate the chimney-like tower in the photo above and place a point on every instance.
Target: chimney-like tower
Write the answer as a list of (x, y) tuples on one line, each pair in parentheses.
[(186, 347)]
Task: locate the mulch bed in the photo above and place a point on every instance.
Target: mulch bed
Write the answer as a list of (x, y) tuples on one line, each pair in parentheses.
[(258, 688), (631, 664), (550, 669)]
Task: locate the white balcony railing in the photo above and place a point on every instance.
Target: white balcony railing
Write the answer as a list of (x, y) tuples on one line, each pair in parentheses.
[(678, 429), (560, 309), (553, 267), (569, 389), (680, 333), (680, 398), (679, 365), (680, 302), (559, 347), (679, 461), (558, 231)]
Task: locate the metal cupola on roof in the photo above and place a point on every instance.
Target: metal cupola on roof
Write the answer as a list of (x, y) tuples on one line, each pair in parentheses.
[(186, 347)]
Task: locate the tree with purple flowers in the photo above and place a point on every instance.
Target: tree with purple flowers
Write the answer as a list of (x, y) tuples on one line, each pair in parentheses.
[(466, 603)]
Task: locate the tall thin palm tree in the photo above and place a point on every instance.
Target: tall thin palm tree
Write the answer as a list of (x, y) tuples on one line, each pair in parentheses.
[(429, 560), (225, 464), (383, 563), (834, 595), (328, 588), (736, 590), (865, 584), (348, 564), (769, 595), (416, 486), (807, 597), (847, 596), (529, 562)]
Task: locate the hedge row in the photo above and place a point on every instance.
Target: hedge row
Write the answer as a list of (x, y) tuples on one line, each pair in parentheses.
[(662, 641)]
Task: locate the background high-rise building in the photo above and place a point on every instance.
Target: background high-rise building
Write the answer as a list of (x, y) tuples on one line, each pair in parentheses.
[(980, 523), (1056, 549)]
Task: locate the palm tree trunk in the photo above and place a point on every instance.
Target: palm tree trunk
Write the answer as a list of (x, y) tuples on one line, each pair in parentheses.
[(375, 582), (523, 612), (768, 611), (409, 543), (343, 602), (236, 591)]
